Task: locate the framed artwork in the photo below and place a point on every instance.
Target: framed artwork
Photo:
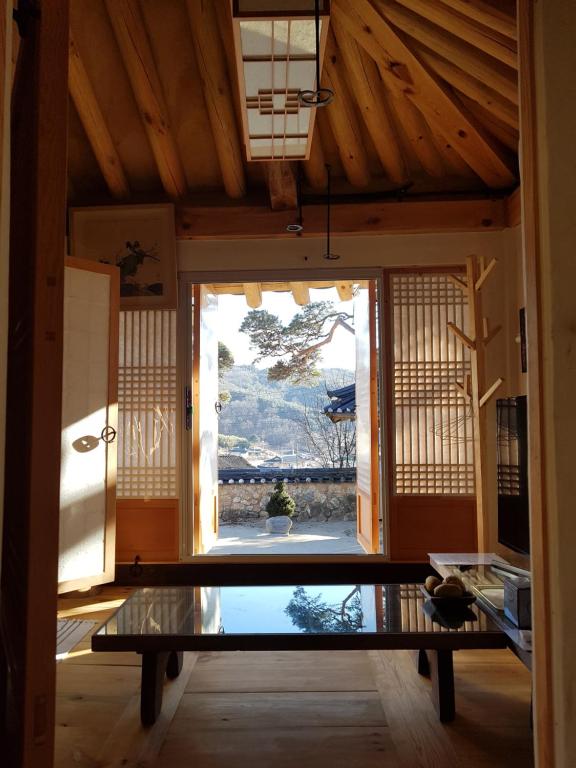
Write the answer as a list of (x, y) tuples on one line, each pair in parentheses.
[(138, 239)]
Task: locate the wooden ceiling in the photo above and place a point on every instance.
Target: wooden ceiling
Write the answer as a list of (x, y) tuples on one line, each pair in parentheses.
[(426, 102)]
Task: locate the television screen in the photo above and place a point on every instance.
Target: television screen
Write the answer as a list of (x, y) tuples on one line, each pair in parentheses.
[(512, 452)]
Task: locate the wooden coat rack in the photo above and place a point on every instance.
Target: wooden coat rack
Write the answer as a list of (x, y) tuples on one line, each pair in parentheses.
[(473, 389)]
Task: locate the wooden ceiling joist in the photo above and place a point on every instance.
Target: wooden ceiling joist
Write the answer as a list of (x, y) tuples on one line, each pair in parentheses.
[(486, 13), (366, 85), (484, 38), (281, 178), (493, 73), (406, 74), (343, 120), (489, 99), (95, 126), (217, 94), (508, 136), (315, 166), (253, 293), (301, 293), (132, 37)]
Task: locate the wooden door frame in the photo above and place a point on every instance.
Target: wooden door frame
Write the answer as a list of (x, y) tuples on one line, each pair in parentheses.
[(107, 574), (31, 510), (187, 279)]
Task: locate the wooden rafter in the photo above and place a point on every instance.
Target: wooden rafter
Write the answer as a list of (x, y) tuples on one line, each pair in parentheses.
[(416, 134), (217, 88), (315, 166), (486, 13), (484, 38), (281, 179), (505, 134), (486, 69), (345, 290), (253, 293), (460, 79), (366, 85), (128, 25), (343, 119), (301, 293), (95, 126), (408, 76)]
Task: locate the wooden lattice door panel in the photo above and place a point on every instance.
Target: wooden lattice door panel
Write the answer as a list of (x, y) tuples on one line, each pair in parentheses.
[(431, 449), (147, 453), (433, 445)]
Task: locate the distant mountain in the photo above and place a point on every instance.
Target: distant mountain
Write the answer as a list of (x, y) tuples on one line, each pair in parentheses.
[(269, 411)]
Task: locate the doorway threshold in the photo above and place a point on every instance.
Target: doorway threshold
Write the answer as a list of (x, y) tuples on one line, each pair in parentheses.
[(306, 538)]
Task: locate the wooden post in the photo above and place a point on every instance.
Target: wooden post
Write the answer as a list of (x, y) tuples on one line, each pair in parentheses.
[(34, 391)]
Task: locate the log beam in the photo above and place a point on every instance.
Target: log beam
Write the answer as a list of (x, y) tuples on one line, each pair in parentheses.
[(343, 119), (345, 291), (487, 14), (478, 91), (315, 166), (95, 126), (366, 84), (301, 293), (408, 76), (253, 293), (368, 218), (281, 180), (217, 89), (132, 37), (485, 39)]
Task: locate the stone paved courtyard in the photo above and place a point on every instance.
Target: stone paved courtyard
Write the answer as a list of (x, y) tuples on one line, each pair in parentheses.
[(306, 538)]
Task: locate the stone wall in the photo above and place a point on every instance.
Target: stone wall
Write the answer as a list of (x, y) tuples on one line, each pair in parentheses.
[(240, 502)]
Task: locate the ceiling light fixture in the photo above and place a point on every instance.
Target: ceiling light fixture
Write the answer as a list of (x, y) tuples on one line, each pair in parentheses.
[(279, 48), (328, 255)]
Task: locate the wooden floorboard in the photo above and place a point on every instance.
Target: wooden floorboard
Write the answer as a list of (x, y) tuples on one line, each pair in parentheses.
[(280, 710)]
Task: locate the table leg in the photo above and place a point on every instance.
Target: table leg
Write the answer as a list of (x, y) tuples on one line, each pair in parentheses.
[(174, 665), (442, 674), (153, 673), (422, 663)]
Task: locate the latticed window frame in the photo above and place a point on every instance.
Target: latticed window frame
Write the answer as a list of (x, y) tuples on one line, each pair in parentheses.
[(147, 405), (432, 442)]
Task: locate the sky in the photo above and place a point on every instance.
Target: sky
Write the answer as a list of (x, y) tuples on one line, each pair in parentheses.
[(340, 353)]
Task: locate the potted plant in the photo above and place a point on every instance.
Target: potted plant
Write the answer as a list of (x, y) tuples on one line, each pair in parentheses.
[(281, 506)]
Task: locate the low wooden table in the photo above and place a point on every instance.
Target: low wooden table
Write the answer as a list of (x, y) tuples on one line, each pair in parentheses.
[(162, 623)]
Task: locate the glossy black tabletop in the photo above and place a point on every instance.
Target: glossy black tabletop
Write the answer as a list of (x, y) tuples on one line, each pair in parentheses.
[(292, 617)]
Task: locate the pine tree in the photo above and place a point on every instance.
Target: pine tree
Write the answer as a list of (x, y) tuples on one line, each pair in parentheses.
[(280, 502)]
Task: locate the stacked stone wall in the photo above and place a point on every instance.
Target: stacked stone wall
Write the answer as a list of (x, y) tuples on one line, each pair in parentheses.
[(241, 502)]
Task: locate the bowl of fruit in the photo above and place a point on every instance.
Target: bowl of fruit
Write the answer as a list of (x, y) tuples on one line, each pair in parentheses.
[(448, 593)]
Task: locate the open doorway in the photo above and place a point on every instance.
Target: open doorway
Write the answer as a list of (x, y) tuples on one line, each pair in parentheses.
[(283, 403)]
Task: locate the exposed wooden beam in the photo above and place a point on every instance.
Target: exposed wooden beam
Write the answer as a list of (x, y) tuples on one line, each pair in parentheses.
[(493, 73), (366, 85), (491, 100), (345, 290), (486, 13), (315, 166), (509, 137), (253, 293), (282, 185), (301, 293), (484, 38), (95, 126), (217, 94), (416, 134), (513, 208), (129, 28), (371, 218), (409, 77), (343, 120)]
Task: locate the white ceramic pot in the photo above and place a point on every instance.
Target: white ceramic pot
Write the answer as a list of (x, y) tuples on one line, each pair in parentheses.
[(279, 524)]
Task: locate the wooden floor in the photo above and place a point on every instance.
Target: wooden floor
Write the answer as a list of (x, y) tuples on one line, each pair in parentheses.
[(280, 710)]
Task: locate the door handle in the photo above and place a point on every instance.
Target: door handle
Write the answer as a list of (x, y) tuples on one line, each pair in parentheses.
[(108, 434), (218, 407)]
